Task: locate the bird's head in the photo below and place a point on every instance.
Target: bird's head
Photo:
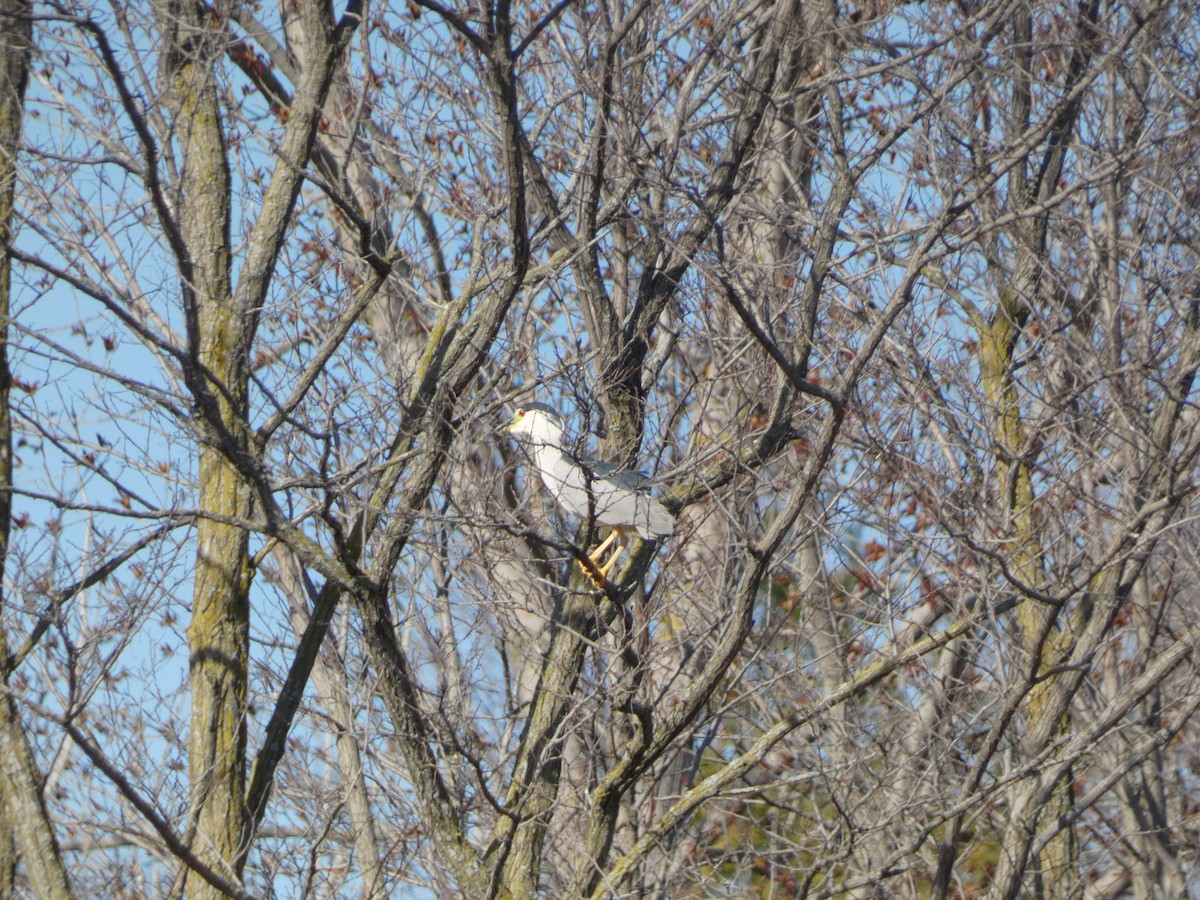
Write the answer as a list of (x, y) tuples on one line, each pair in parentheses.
[(538, 422)]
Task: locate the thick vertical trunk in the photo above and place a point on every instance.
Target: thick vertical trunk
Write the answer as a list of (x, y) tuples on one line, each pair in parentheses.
[(1044, 642), (218, 639), (26, 836), (1055, 870), (218, 635)]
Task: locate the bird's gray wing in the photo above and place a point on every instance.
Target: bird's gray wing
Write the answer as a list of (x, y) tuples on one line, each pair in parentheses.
[(626, 479), (621, 497)]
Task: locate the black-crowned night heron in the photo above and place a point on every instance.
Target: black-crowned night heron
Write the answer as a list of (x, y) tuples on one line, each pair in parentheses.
[(614, 498)]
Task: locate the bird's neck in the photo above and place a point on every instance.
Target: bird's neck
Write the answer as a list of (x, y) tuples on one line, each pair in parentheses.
[(549, 450), (549, 446)]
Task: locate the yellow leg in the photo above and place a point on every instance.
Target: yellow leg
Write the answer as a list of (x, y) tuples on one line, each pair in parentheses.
[(596, 555), (612, 560)]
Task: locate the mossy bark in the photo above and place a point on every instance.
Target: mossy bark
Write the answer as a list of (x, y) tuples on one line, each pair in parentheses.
[(1044, 641), (218, 634)]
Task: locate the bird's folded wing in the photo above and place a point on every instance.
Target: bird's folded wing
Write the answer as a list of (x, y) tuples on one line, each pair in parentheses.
[(627, 479)]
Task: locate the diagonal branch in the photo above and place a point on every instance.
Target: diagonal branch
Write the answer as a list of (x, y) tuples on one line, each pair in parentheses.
[(174, 842)]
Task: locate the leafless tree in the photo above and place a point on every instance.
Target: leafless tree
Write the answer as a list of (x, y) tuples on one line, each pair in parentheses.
[(895, 305)]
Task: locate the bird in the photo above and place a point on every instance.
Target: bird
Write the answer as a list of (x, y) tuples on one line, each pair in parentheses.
[(592, 490)]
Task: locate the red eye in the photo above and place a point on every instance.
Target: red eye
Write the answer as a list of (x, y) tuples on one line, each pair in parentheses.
[(520, 412)]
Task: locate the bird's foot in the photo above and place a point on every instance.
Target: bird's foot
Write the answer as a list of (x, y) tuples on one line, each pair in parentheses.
[(602, 570)]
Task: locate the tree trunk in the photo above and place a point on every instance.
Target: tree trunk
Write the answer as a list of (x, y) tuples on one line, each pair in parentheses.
[(25, 831), (219, 633)]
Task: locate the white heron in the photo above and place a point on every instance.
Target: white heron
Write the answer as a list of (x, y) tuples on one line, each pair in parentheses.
[(617, 499)]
